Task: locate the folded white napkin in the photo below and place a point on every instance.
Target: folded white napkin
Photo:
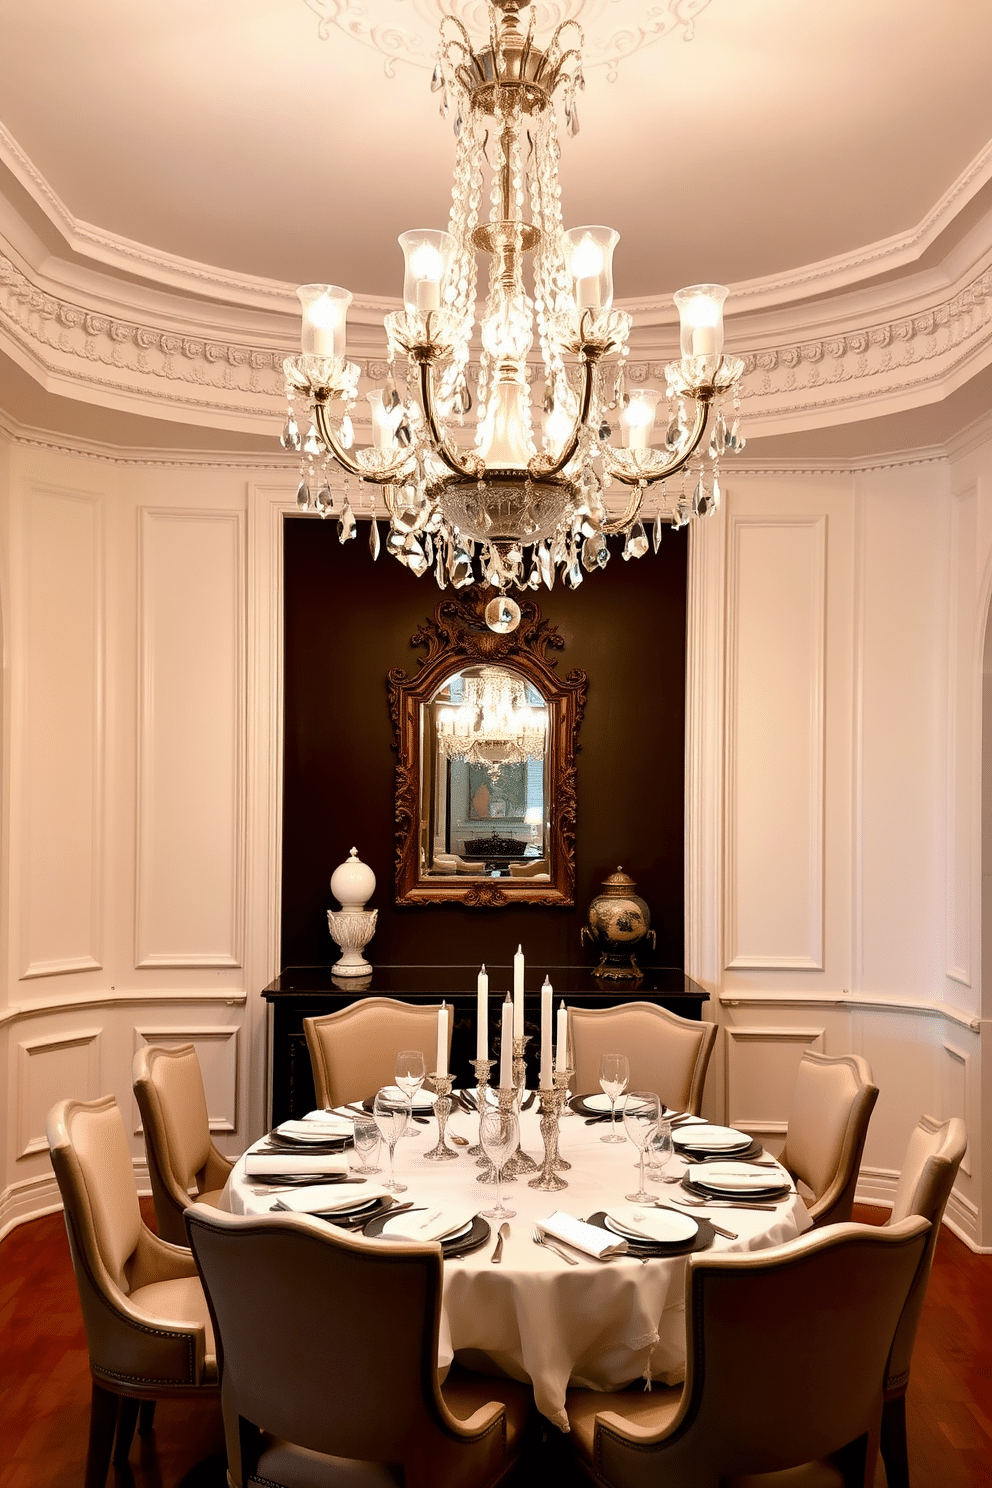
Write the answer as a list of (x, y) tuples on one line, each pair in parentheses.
[(258, 1164), (652, 1224), (585, 1237), (325, 1198), (311, 1128), (426, 1224), (728, 1178), (712, 1138)]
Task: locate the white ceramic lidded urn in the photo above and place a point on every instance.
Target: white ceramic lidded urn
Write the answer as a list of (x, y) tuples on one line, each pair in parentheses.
[(352, 926)]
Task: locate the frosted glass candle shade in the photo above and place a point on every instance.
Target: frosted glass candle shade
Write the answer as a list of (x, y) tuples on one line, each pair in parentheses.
[(325, 313), (700, 310)]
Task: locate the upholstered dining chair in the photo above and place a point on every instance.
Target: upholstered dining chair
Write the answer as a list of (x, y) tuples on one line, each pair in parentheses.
[(353, 1052), (786, 1363), (667, 1054), (181, 1156), (828, 1122), (931, 1165), (334, 1380), (147, 1325)]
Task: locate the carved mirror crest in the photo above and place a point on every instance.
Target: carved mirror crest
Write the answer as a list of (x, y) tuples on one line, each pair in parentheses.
[(486, 738)]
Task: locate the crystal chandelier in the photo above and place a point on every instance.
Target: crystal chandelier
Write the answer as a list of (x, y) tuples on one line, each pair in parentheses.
[(509, 503), (493, 725)]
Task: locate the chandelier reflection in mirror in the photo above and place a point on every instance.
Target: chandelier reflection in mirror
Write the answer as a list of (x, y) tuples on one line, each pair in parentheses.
[(491, 721), (507, 512)]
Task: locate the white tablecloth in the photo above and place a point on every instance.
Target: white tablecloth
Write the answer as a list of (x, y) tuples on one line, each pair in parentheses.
[(597, 1324)]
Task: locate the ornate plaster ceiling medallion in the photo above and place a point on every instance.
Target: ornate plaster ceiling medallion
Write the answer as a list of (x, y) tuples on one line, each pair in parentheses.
[(406, 30)]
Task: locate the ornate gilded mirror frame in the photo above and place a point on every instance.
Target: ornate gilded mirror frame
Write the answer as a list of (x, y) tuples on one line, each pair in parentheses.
[(457, 638)]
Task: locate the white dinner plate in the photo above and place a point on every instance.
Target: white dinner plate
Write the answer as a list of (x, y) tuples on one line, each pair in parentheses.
[(729, 1178), (712, 1138), (602, 1102), (645, 1223), (423, 1101)]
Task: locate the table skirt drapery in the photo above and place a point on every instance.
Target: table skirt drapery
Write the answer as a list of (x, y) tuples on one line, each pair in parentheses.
[(598, 1324)]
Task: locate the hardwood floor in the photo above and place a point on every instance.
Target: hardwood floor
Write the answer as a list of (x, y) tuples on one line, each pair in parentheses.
[(44, 1380)]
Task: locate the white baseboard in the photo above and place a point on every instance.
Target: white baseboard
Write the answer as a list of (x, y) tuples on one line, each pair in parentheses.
[(33, 1197)]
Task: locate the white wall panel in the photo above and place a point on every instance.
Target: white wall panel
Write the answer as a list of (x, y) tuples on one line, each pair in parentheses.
[(775, 701), (217, 1049), (57, 785), (53, 1067), (191, 739), (960, 734), (762, 1062), (954, 1090)]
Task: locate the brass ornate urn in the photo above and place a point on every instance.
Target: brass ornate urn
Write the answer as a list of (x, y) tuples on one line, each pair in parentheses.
[(618, 921)]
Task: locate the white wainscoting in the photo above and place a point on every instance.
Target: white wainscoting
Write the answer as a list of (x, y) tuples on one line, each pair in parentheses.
[(775, 712), (217, 1049), (190, 889), (58, 708), (48, 1067), (762, 1061)]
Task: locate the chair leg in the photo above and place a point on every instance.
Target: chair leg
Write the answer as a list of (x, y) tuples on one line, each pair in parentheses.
[(895, 1454), (103, 1419), (146, 1417), (126, 1421)]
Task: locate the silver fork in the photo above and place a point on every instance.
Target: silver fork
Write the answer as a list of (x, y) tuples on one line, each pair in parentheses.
[(541, 1239)]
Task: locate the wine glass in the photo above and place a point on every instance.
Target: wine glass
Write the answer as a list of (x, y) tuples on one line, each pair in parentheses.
[(390, 1118), (614, 1072), (410, 1075), (641, 1114), (659, 1149), (499, 1133), (367, 1139)]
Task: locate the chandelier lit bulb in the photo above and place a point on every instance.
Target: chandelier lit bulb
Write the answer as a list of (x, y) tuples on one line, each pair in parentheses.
[(523, 496)]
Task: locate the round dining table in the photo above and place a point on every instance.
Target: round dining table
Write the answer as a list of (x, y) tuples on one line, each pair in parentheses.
[(597, 1324)]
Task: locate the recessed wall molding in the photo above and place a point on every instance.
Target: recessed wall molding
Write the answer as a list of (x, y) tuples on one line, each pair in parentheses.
[(761, 1073), (217, 1048), (132, 997), (874, 1002), (48, 1067)]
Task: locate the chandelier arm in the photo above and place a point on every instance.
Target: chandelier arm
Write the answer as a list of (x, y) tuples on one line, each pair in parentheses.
[(544, 465), (613, 525), (703, 404), (339, 452), (474, 467)]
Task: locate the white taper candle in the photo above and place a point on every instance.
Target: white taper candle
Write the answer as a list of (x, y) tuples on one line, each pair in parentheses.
[(441, 1066), (561, 1053), (482, 1016), (506, 1046), (547, 1017), (518, 993)]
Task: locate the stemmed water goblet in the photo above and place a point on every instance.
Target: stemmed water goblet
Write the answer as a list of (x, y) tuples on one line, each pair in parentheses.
[(659, 1149), (641, 1114), (367, 1139), (410, 1075), (390, 1118), (614, 1072), (499, 1132)]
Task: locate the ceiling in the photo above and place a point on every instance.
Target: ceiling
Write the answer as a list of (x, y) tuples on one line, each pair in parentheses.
[(786, 132)]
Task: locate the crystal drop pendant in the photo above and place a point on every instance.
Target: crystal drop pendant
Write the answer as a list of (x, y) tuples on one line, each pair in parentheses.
[(459, 567), (547, 567), (715, 496), (322, 500), (572, 119), (391, 400), (346, 523), (573, 570), (720, 433), (673, 434), (312, 445), (440, 568), (502, 614), (404, 434), (558, 547), (374, 539), (595, 552), (603, 432), (548, 403), (637, 542), (700, 499), (290, 436), (458, 123), (413, 556), (429, 549), (437, 80), (656, 535), (347, 433), (443, 106), (303, 495)]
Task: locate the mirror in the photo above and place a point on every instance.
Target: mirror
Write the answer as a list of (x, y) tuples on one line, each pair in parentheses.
[(485, 779)]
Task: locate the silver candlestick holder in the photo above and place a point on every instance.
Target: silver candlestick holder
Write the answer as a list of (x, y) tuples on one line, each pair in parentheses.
[(562, 1079), (506, 1098), (520, 1162), (547, 1179), (481, 1068), (441, 1085)]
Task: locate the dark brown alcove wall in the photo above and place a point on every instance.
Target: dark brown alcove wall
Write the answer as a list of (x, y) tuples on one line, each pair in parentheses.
[(348, 621)]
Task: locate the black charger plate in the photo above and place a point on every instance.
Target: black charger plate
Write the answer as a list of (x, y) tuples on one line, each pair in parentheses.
[(740, 1154), (450, 1249), (300, 1144), (754, 1195), (701, 1240)]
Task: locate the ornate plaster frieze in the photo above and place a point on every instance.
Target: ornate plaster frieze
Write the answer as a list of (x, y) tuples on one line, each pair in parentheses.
[(406, 30), (845, 374)]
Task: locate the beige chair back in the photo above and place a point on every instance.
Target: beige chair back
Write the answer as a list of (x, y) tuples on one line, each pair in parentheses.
[(182, 1158), (115, 1255), (353, 1052), (667, 1054), (828, 1122), (931, 1165), (342, 1357), (787, 1351)]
